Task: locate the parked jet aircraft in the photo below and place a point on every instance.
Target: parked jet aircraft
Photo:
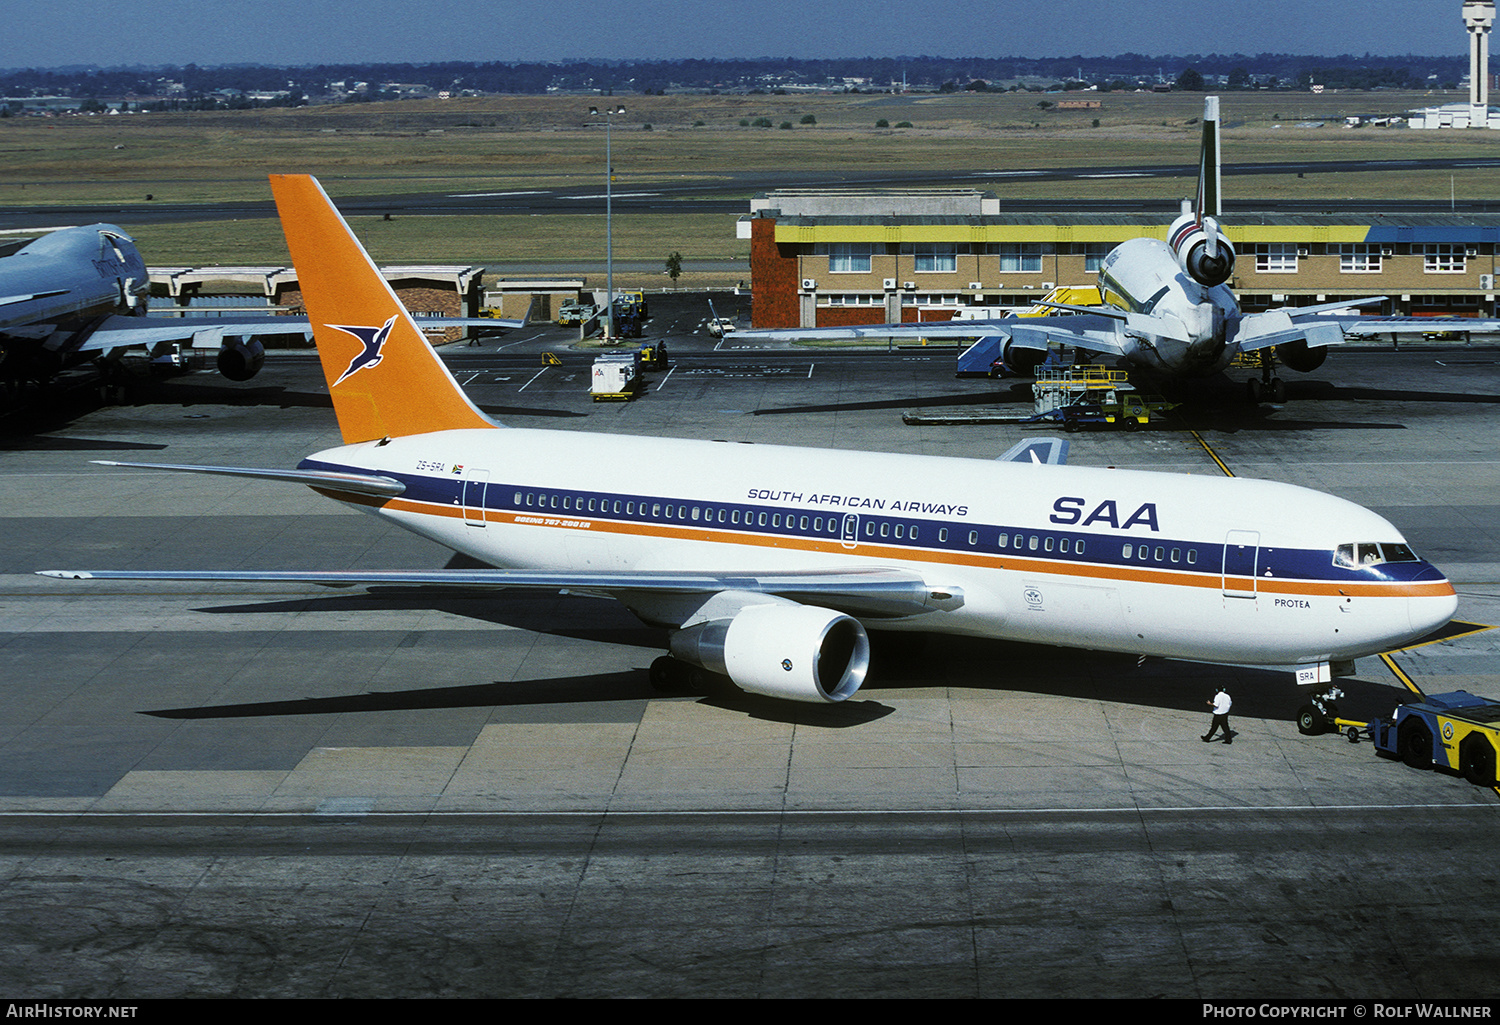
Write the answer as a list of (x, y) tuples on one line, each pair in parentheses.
[(1167, 307), (79, 294), (767, 564)]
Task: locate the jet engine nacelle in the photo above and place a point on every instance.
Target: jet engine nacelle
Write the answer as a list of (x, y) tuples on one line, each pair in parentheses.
[(1021, 360), (1302, 357), (1202, 250), (783, 650), (240, 361)]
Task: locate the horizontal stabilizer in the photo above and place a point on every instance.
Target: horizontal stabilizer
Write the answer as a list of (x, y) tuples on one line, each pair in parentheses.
[(329, 480), (1036, 451)]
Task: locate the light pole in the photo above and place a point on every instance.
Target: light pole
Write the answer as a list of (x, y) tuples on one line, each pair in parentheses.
[(609, 234)]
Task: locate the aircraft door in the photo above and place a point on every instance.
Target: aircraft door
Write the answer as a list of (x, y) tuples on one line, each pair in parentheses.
[(1241, 557), (475, 484), (851, 530)]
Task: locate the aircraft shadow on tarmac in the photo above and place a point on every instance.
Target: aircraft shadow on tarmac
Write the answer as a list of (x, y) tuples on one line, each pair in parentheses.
[(898, 662)]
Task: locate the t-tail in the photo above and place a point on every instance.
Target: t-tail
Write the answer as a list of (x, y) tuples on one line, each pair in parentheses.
[(385, 380), (1195, 236)]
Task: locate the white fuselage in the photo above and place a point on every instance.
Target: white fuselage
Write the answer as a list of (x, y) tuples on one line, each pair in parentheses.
[(1182, 325), (1215, 569)]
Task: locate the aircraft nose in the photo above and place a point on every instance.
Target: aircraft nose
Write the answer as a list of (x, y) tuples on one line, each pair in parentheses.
[(1428, 612)]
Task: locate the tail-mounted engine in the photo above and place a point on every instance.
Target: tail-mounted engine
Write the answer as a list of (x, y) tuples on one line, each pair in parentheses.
[(1202, 249), (782, 650)]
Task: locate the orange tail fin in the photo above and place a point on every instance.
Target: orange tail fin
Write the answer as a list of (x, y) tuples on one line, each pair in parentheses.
[(384, 378)]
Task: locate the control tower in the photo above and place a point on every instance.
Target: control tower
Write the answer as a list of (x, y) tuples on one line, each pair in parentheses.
[(1479, 17)]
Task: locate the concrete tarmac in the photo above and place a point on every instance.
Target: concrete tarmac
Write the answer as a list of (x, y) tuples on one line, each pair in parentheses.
[(297, 791)]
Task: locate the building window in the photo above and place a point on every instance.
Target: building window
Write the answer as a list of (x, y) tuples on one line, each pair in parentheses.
[(1018, 257), (1276, 258), (1443, 258), (1358, 258), (1093, 256), (846, 257), (933, 299), (855, 299), (933, 257)]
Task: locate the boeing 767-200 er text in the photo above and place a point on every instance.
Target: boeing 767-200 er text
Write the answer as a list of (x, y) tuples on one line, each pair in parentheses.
[(767, 564)]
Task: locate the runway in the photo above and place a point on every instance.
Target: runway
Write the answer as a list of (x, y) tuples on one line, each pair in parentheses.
[(297, 791), (729, 194)]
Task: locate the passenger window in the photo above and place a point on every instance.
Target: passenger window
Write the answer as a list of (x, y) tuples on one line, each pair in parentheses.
[(776, 519), (802, 523), (942, 534), (913, 534), (656, 509), (973, 537), (1033, 543), (1192, 556), (1078, 550), (885, 529), (760, 520), (695, 514), (1047, 543), (1003, 542), (1176, 554), (1062, 545), (1125, 552), (869, 529), (1157, 555)]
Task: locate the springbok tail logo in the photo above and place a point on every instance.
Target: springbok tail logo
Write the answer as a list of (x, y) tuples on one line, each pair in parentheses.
[(372, 338)]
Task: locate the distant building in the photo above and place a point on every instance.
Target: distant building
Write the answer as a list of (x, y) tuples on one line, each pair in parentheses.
[(833, 258)]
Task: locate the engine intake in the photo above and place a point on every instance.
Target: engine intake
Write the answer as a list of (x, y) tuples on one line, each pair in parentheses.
[(1202, 249), (1302, 357), (240, 361), (797, 652)]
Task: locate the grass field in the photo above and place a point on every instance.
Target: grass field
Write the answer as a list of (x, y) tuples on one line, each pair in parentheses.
[(535, 142)]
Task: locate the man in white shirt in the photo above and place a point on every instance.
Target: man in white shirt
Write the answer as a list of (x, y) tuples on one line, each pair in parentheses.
[(1220, 705)]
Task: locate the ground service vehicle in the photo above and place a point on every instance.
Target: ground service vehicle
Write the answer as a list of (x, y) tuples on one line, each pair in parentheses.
[(1457, 731), (574, 312)]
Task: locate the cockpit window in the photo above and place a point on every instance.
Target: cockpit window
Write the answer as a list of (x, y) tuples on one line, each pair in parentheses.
[(1369, 553)]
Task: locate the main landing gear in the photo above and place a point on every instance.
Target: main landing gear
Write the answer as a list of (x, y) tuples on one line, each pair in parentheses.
[(1268, 385)]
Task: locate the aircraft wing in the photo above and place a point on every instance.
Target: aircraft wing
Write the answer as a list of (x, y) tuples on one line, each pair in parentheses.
[(859, 592), (118, 332), (1090, 330), (1362, 327)]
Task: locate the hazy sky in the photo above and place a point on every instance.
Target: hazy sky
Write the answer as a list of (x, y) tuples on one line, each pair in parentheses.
[(301, 32)]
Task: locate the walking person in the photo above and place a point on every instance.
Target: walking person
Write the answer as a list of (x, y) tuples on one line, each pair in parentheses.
[(1220, 705)]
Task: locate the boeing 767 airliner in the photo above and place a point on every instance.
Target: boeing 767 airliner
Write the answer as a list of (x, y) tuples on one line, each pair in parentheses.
[(768, 564)]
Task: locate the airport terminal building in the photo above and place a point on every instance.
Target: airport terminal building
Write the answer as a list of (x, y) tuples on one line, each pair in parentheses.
[(833, 258)]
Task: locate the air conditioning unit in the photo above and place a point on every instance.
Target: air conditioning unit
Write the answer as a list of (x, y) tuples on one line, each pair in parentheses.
[(1049, 284), (889, 284), (1487, 281), (809, 284), (1387, 251), (976, 285), (909, 284), (1301, 251), (1471, 251)]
